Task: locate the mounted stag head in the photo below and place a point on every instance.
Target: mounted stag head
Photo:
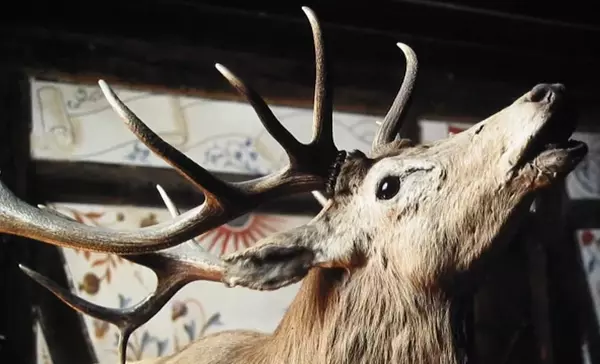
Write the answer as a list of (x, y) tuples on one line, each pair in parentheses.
[(381, 262)]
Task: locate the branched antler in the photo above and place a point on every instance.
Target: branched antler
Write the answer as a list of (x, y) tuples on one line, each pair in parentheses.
[(159, 247), (308, 170), (174, 268)]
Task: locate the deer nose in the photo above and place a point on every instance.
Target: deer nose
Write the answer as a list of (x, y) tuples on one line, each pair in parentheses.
[(546, 93)]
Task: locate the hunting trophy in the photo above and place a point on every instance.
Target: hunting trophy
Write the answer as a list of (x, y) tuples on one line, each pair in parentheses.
[(403, 229)]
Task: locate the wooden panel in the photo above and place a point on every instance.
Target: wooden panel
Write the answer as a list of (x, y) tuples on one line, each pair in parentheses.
[(362, 32)]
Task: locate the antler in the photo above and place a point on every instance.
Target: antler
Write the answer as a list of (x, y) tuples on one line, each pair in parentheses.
[(392, 122), (174, 268), (308, 170)]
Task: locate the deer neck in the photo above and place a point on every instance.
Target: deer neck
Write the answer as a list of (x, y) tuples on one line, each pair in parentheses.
[(366, 320)]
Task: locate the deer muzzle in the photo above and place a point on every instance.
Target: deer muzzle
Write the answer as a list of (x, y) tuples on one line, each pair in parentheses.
[(549, 150), (552, 137)]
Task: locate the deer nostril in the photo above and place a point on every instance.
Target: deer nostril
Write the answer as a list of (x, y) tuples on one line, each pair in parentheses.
[(558, 87), (546, 93)]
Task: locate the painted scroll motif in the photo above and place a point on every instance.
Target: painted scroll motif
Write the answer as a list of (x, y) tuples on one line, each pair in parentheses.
[(75, 123)]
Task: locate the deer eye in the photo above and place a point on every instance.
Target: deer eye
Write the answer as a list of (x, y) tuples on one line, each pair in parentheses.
[(388, 188)]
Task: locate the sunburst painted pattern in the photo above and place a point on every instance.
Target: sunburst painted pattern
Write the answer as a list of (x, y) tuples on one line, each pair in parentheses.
[(240, 233), (198, 309)]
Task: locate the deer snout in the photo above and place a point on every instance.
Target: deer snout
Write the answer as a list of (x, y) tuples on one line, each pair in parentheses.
[(546, 93)]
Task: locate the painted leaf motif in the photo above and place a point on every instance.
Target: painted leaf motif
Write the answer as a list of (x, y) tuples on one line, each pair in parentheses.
[(98, 262)]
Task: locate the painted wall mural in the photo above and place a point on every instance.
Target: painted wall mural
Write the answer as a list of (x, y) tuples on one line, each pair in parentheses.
[(198, 309), (74, 122)]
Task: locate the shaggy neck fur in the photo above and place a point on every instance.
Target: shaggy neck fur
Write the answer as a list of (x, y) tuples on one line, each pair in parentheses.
[(334, 321), (361, 322)]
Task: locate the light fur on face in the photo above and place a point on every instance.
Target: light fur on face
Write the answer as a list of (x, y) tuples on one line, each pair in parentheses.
[(381, 276)]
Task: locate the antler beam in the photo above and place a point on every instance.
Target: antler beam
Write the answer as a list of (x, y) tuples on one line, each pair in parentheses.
[(174, 268), (308, 170), (159, 247)]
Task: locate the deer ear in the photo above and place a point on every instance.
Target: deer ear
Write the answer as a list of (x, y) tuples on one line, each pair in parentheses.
[(282, 259)]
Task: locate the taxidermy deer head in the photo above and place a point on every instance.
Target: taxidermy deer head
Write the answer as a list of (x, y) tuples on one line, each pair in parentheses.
[(384, 260)]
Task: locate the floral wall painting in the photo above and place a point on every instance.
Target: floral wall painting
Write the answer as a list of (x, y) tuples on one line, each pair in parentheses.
[(74, 122), (198, 309)]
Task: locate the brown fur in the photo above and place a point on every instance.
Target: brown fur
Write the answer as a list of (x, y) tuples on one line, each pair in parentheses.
[(316, 331), (381, 276)]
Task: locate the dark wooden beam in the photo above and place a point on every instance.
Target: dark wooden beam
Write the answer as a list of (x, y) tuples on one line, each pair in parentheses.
[(576, 14), (466, 44), (21, 299), (284, 71), (112, 184), (584, 214), (17, 344)]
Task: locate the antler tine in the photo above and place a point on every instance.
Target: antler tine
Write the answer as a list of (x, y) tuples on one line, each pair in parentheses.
[(174, 269), (323, 103), (323, 99), (320, 198), (117, 317), (393, 119), (19, 218), (292, 147), (174, 211), (173, 273), (313, 166), (196, 174)]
